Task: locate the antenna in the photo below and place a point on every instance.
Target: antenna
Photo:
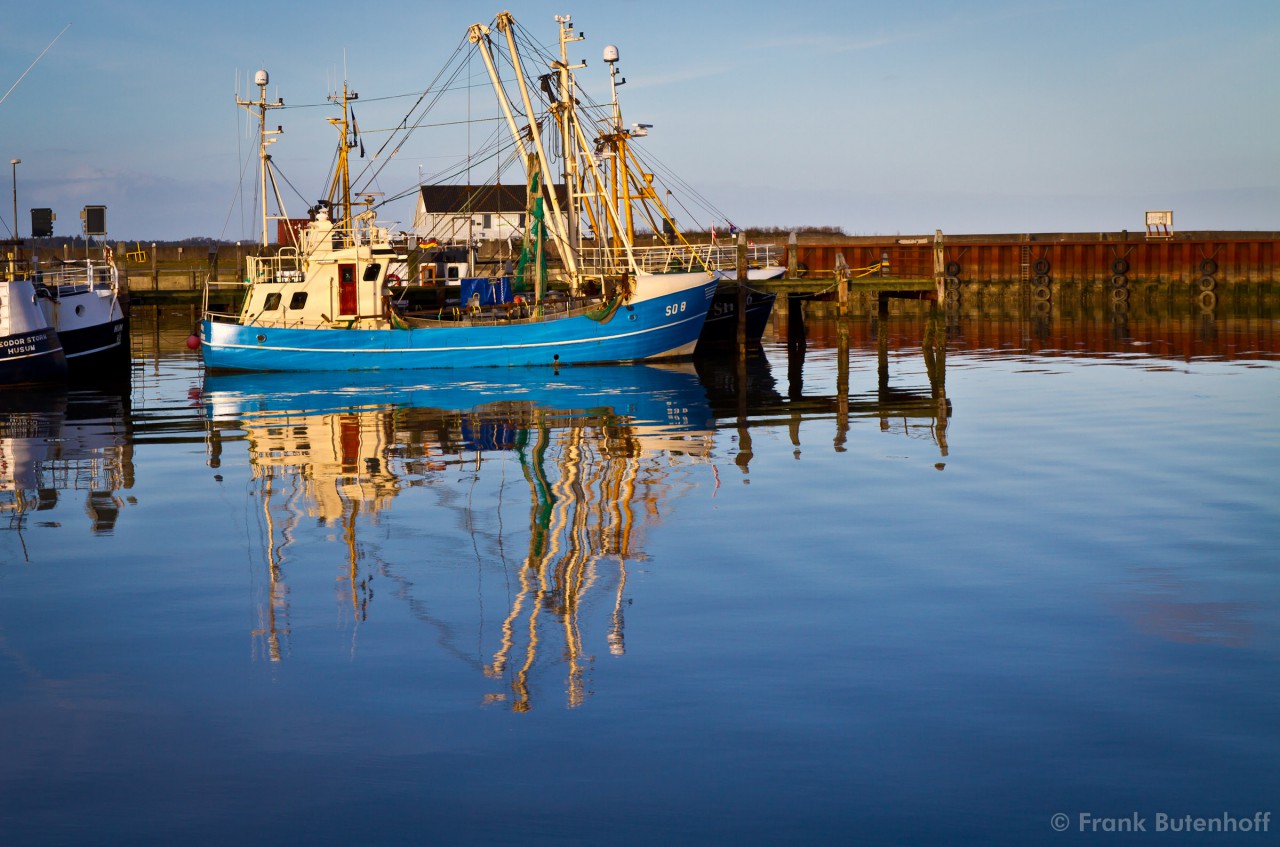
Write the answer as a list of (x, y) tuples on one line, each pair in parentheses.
[(265, 136)]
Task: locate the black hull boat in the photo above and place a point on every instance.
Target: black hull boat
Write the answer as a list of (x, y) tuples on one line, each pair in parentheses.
[(30, 351)]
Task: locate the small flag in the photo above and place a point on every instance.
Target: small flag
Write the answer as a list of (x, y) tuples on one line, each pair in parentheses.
[(355, 129)]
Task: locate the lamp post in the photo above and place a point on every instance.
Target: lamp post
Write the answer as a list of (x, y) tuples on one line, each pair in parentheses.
[(15, 163)]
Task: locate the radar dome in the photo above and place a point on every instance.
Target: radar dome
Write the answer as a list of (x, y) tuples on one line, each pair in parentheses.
[(260, 78), (610, 53)]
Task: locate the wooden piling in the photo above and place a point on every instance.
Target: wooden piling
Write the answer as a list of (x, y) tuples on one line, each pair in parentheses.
[(742, 295), (842, 286), (939, 266)]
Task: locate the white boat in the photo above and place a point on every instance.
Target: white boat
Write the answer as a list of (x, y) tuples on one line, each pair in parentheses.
[(325, 304), (29, 348), (82, 303)]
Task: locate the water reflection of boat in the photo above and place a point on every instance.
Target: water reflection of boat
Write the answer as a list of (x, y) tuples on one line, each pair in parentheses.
[(54, 441), (744, 393), (593, 453)]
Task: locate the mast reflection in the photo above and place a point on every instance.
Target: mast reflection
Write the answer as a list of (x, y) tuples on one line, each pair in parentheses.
[(598, 451)]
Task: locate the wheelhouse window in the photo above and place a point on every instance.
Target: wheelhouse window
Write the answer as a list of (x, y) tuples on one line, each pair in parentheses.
[(272, 302), (298, 300), (371, 272)]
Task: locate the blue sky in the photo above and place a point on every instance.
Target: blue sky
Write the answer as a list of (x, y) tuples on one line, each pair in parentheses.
[(991, 116)]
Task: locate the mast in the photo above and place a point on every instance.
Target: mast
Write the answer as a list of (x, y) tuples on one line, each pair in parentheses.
[(478, 35), (265, 137), (340, 188), (565, 112), (618, 140)]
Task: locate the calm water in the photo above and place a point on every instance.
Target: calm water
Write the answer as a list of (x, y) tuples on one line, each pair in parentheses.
[(1035, 576)]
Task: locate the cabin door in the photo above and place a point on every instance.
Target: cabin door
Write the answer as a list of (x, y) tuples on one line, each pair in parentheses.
[(347, 302)]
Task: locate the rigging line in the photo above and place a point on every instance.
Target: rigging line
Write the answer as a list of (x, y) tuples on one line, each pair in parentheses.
[(470, 58), (437, 125), (239, 192), (440, 177), (431, 89), (675, 179), (33, 63), (408, 130), (280, 174), (672, 178)]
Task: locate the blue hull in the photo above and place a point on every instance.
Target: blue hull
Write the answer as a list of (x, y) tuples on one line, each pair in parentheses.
[(664, 326)]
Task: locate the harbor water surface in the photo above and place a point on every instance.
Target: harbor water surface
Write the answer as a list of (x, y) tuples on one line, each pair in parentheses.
[(993, 597)]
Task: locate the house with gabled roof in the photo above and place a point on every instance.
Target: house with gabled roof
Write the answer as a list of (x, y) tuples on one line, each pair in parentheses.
[(468, 214)]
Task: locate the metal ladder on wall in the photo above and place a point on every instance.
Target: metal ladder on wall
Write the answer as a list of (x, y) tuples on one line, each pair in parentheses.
[(1025, 266)]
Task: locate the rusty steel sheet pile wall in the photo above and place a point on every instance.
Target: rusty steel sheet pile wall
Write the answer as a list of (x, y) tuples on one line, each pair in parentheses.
[(1248, 257)]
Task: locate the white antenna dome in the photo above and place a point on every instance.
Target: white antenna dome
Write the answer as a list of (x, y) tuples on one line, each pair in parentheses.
[(610, 53), (261, 78)]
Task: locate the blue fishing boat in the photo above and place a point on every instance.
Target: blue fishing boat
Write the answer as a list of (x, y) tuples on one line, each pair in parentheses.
[(325, 302)]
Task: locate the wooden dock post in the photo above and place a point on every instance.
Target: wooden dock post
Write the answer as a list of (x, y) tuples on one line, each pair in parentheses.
[(842, 311), (793, 257), (939, 266), (155, 269), (742, 295), (842, 286)]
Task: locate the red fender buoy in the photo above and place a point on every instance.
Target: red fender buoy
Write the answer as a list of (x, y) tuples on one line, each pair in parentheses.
[(193, 342)]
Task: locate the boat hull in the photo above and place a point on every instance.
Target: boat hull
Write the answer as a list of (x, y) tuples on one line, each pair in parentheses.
[(721, 327), (90, 324), (664, 325), (32, 357), (30, 350)]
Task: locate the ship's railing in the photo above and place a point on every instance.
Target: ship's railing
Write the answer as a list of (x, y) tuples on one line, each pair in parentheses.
[(77, 276), (555, 306), (284, 266), (238, 291), (672, 258), (724, 257)]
